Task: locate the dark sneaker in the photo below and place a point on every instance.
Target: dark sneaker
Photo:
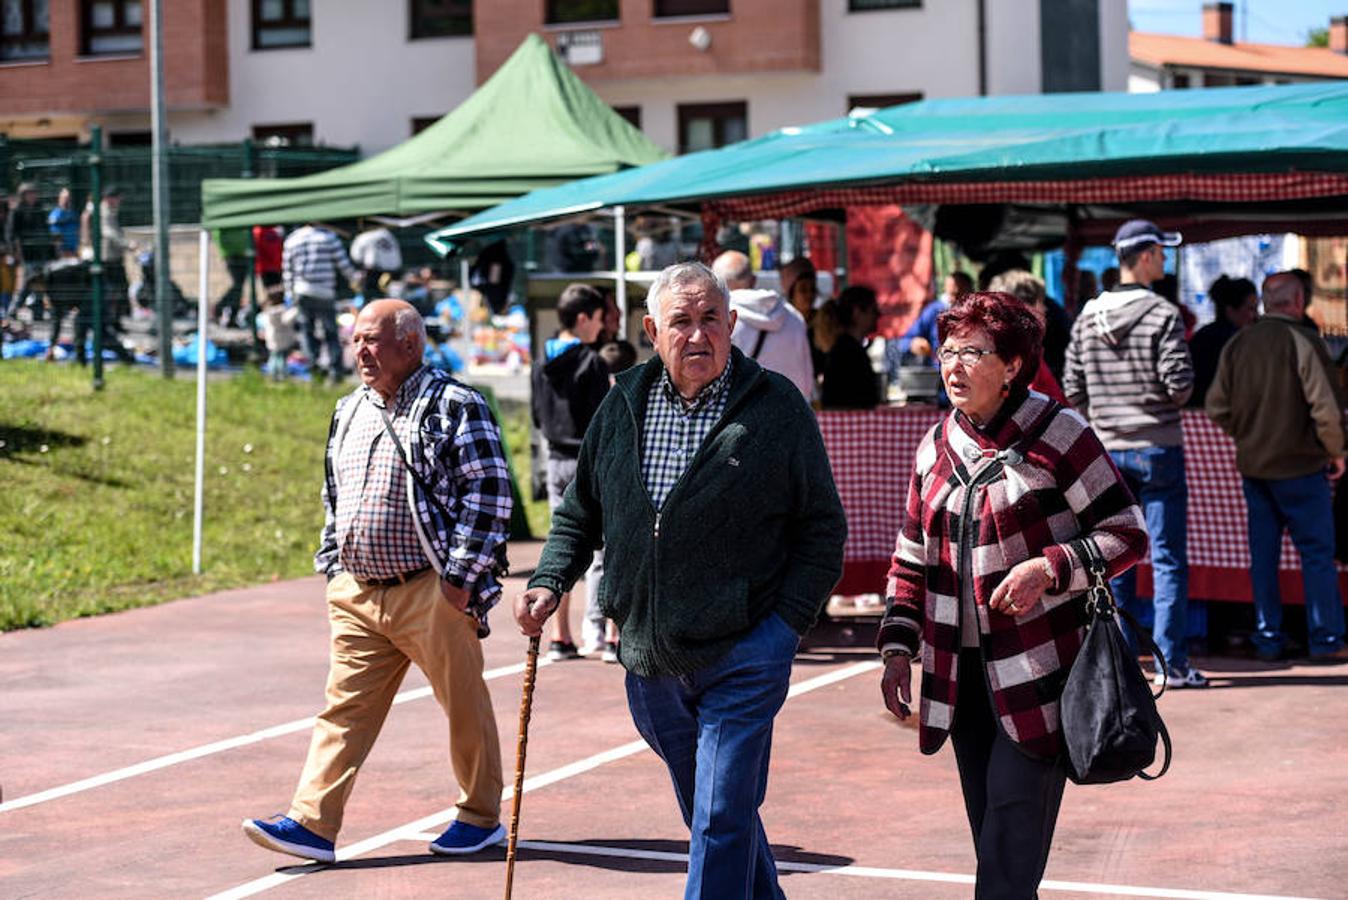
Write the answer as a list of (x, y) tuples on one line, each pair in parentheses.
[(288, 836), (1332, 658), (1181, 677), (610, 651), (560, 650), (460, 839), (1269, 654)]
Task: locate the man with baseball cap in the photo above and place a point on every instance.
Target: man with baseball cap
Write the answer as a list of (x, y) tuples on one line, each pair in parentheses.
[(1128, 370)]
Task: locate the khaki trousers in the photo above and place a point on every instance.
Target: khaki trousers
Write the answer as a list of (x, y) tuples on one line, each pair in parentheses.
[(376, 633)]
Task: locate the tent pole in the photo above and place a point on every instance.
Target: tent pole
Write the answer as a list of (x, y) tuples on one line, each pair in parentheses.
[(620, 267), (203, 317), (469, 325)]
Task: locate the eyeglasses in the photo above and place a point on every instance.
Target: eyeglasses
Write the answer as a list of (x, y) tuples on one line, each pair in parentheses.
[(968, 356)]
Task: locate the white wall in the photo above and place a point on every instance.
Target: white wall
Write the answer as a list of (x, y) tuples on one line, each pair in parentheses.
[(1014, 64), (1143, 79), (1114, 61), (360, 82)]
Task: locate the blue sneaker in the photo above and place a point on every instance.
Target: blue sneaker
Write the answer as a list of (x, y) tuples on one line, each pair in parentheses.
[(288, 836), (460, 838)]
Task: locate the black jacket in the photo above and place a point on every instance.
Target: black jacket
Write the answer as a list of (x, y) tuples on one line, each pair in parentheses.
[(754, 526), (567, 390), (849, 379)]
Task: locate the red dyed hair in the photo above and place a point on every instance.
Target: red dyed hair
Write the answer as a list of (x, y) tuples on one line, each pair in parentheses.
[(1014, 330)]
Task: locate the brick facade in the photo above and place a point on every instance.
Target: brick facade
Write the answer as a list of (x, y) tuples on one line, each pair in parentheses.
[(755, 37), (196, 67)]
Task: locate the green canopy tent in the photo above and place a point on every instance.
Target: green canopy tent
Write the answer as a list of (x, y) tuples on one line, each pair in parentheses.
[(1025, 172), (533, 124)]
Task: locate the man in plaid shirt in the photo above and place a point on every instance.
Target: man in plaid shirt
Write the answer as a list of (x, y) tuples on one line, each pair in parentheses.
[(417, 501), (310, 260)]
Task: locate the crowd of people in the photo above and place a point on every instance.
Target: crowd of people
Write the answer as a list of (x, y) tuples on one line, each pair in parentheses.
[(45, 257), (701, 480), (45, 269)]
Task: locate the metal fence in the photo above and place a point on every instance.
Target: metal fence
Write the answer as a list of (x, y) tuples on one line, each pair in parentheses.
[(52, 165)]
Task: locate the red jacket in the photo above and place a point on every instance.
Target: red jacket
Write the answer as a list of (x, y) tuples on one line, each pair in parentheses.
[(267, 244), (1054, 490)]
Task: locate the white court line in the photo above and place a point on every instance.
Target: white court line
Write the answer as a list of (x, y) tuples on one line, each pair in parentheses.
[(182, 756), (1084, 887), (441, 818)]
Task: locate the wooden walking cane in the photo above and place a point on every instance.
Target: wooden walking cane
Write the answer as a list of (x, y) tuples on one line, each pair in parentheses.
[(526, 706)]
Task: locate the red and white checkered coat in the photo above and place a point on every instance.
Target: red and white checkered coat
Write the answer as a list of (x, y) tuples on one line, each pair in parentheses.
[(1064, 489)]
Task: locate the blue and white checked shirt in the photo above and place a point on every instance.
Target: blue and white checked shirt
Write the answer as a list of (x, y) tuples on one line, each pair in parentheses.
[(674, 431), (310, 259)]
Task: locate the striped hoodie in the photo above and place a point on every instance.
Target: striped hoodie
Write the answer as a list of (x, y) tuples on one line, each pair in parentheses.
[(1128, 369)]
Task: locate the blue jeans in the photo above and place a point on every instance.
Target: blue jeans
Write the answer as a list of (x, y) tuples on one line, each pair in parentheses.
[(315, 313), (1302, 506), (713, 729), (1155, 475)]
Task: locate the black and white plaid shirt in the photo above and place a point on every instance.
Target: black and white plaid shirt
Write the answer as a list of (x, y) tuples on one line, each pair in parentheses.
[(674, 430)]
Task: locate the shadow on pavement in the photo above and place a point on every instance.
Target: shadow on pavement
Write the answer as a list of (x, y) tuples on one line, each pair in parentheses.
[(783, 853), (1225, 682)]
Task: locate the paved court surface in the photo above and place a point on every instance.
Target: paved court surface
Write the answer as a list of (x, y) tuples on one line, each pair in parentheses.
[(132, 745)]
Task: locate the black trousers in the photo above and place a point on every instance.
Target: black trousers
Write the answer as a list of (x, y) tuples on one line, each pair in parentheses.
[(1012, 799)]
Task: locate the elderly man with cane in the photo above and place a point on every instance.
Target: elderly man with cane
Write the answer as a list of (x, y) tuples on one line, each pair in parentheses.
[(417, 502), (705, 479)]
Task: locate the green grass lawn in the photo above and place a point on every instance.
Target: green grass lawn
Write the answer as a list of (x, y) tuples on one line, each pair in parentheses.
[(96, 504)]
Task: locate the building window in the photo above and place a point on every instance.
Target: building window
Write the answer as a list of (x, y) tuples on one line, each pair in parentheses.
[(1179, 80), (880, 101), (665, 8), (562, 12), (868, 5), (703, 126), (110, 27), (296, 134), (421, 123), (280, 23), (441, 18), (631, 113), (130, 139), (24, 33)]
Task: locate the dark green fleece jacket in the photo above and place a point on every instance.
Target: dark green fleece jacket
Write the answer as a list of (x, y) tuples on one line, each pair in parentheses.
[(753, 527)]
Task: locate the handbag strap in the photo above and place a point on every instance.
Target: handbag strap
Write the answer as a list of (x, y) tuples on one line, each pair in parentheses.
[(1101, 604)]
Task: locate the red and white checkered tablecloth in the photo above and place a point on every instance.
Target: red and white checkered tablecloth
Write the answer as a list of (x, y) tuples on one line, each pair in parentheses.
[(872, 456), (1244, 187)]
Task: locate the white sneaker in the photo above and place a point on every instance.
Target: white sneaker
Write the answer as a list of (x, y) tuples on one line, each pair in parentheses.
[(1186, 677)]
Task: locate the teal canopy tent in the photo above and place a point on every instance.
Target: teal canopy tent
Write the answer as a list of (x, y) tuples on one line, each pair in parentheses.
[(1013, 171)]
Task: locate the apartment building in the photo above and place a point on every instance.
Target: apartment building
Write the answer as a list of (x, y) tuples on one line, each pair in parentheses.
[(1168, 61), (691, 73)]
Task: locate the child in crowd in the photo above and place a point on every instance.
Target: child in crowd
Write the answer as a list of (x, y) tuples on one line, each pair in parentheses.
[(278, 332)]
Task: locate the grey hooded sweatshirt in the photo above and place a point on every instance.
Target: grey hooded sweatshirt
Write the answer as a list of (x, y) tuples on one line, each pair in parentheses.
[(785, 341), (1128, 368)]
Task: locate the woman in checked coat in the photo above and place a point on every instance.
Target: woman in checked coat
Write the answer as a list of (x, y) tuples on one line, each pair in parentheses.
[(988, 581)]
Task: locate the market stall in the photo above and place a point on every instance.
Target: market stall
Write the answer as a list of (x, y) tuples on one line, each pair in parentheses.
[(1026, 173), (872, 455)]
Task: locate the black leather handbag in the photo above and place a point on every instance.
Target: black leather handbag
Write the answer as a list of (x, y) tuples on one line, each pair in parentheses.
[(1110, 723)]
